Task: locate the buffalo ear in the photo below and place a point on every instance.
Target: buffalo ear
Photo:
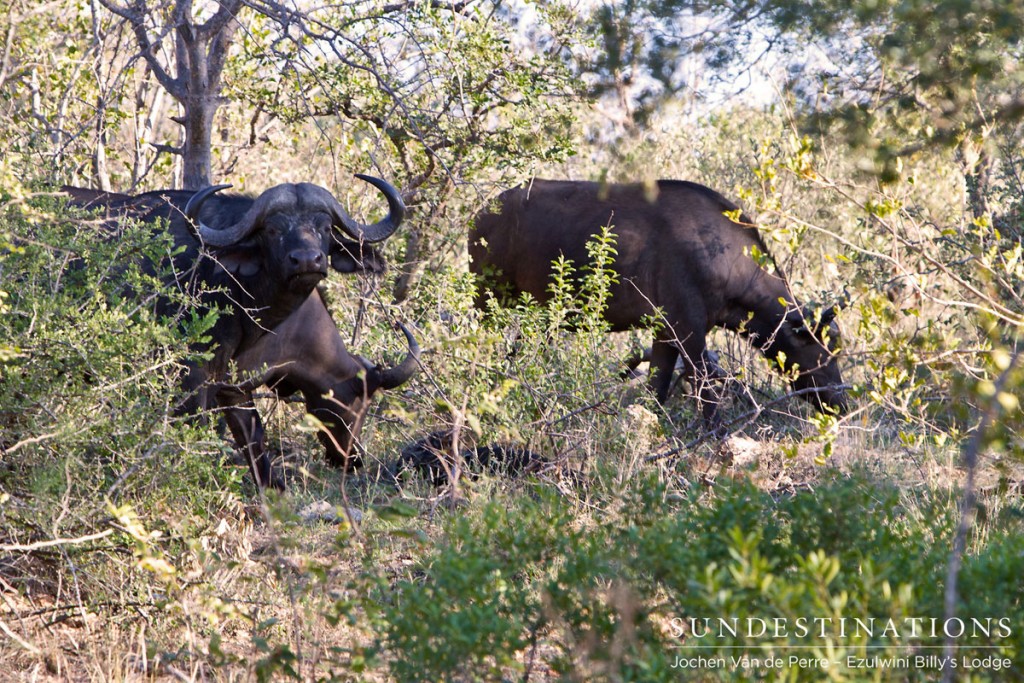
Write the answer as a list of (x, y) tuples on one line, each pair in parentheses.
[(827, 316), (242, 261), (348, 256), (797, 321)]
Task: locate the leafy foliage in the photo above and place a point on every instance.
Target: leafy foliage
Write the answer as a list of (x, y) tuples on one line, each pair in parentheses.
[(616, 596), (131, 549), (88, 386)]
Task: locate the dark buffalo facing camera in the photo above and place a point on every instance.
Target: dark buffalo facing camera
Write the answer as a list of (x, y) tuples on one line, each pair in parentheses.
[(306, 354), (256, 259), (684, 255)]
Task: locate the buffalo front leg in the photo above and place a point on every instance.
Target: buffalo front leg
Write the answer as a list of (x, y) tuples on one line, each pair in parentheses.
[(702, 372), (247, 429)]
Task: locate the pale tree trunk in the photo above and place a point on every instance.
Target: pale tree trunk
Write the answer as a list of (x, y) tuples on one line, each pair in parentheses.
[(197, 148), (977, 169), (201, 53), (149, 110), (99, 157), (194, 80)]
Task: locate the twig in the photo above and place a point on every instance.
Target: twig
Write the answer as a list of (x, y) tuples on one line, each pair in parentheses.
[(32, 440), (18, 639), (56, 541), (133, 469), (600, 406)]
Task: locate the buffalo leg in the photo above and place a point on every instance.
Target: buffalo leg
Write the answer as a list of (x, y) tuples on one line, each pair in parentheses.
[(247, 429), (343, 421), (701, 371), (663, 362)]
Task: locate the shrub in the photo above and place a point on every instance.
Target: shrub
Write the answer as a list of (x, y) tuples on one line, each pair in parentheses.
[(536, 583)]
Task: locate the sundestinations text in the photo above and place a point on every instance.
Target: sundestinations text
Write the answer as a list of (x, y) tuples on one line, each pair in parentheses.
[(841, 627)]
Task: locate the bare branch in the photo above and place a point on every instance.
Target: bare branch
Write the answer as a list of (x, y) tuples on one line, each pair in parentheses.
[(968, 509), (433, 4), (1012, 111), (29, 441), (166, 149), (136, 16), (18, 639), (57, 541)]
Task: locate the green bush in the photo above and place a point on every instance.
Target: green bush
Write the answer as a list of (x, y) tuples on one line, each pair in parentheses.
[(89, 379), (611, 596)]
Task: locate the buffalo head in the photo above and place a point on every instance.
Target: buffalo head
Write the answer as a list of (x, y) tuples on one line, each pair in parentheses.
[(292, 231), (810, 343)]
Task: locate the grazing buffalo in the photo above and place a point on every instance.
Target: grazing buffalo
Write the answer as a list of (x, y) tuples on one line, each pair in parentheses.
[(306, 354), (684, 253), (256, 259)]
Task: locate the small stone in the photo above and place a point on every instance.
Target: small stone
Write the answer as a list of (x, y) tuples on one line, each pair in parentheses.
[(322, 511)]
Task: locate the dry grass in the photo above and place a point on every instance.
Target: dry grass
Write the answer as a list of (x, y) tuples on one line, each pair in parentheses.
[(249, 570)]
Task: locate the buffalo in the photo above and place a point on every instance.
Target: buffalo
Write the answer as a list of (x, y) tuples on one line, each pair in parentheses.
[(306, 354), (684, 254), (256, 259), (432, 457)]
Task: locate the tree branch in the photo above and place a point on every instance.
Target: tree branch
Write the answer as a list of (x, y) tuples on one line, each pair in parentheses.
[(136, 16), (1009, 112), (57, 541), (968, 508)]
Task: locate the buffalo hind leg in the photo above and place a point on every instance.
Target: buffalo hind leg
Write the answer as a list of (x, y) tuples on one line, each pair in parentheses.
[(663, 362)]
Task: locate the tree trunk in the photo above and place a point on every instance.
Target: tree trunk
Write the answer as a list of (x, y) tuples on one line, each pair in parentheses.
[(200, 53), (197, 150), (977, 169)]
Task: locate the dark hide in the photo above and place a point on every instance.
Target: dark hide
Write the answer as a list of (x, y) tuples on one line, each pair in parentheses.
[(677, 251), (306, 354), (285, 239), (431, 458)]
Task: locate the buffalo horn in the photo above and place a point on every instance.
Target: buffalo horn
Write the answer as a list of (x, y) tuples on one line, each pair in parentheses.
[(383, 228), (208, 235), (404, 371)]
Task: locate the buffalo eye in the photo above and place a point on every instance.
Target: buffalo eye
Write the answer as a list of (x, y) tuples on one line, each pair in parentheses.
[(322, 223), (275, 226)]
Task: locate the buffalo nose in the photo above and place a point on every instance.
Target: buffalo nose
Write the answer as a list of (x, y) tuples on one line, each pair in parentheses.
[(307, 260)]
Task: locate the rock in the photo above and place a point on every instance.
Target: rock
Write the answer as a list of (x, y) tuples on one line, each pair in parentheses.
[(322, 511)]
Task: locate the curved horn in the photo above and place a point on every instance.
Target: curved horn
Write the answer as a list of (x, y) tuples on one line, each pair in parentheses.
[(383, 228), (404, 371), (208, 235)]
